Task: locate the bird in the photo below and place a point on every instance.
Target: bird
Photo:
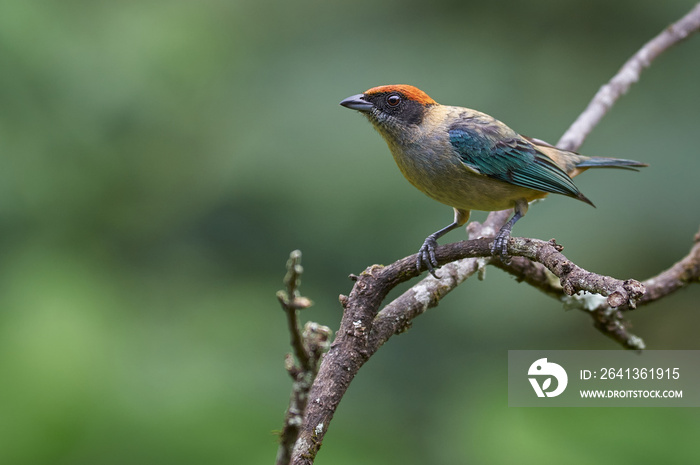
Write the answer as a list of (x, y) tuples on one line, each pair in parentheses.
[(469, 160)]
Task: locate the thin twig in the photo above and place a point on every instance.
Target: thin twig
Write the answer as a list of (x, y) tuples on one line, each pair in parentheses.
[(308, 348), (291, 302)]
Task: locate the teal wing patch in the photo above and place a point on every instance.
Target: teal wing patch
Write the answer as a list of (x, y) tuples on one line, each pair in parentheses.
[(512, 160)]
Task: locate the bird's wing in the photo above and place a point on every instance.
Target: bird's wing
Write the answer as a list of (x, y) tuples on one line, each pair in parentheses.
[(510, 159)]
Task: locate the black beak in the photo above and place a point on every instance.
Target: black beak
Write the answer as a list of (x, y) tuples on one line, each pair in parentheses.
[(357, 102)]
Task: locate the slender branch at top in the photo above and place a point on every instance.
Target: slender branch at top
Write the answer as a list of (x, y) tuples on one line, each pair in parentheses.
[(629, 74)]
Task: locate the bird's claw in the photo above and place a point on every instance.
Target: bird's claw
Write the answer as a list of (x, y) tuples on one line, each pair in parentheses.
[(426, 255), (500, 246)]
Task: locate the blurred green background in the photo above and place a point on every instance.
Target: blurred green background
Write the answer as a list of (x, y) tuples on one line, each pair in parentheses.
[(160, 159)]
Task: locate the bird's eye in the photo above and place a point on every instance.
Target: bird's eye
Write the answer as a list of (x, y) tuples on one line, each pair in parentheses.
[(393, 100)]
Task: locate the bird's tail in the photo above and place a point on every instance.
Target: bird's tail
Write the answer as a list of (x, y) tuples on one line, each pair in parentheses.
[(604, 162)]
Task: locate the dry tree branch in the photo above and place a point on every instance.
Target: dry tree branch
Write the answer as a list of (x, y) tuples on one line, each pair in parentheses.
[(365, 327)]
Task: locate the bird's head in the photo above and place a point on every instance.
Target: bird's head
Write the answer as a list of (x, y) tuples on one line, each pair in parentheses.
[(392, 108)]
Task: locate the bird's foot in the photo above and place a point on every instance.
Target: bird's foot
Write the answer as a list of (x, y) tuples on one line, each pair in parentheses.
[(426, 255), (500, 245)]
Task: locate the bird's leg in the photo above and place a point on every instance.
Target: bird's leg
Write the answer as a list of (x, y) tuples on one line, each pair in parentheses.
[(426, 254), (500, 242)]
